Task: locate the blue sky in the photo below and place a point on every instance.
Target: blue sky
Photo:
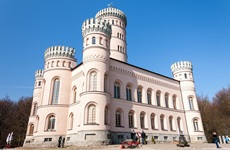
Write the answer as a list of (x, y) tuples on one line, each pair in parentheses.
[(159, 33)]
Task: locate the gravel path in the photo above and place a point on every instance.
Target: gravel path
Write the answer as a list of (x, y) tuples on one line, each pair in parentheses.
[(203, 146)]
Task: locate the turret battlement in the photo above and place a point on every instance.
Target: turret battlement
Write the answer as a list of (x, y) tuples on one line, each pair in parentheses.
[(112, 11), (59, 51), (39, 74), (96, 25), (181, 66)]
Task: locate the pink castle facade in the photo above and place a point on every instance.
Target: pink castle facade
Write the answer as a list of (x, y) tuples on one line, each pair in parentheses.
[(103, 99)]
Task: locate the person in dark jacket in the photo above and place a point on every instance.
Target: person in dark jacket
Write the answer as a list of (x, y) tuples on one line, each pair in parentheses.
[(215, 139), (59, 141)]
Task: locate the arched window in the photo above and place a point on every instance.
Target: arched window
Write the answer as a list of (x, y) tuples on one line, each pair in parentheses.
[(131, 119), (139, 94), (71, 121), (142, 120), (158, 97), (191, 106), (174, 102), (128, 92), (100, 40), (152, 117), (117, 35), (106, 119), (149, 96), (87, 41), (117, 90), (179, 124), (162, 122), (39, 83), (91, 114), (118, 118), (185, 76), (166, 100), (31, 130), (195, 124), (35, 109), (171, 123), (93, 81), (75, 95), (51, 123), (55, 91), (93, 40)]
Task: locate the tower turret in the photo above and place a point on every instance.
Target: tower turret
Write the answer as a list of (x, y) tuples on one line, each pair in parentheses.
[(118, 21), (183, 71), (96, 35), (38, 87)]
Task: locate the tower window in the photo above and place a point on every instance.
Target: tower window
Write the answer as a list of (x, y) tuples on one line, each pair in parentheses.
[(93, 40)]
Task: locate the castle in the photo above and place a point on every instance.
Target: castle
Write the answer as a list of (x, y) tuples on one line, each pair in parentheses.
[(104, 98)]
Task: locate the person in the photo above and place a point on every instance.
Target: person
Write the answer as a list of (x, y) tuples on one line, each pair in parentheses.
[(143, 135), (63, 142), (215, 139), (59, 141), (226, 139), (133, 135)]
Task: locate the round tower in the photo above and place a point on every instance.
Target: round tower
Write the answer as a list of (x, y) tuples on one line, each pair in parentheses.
[(96, 36), (118, 21), (55, 91), (183, 71), (38, 87)]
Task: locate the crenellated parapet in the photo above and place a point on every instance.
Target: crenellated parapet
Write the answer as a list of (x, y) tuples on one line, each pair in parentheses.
[(181, 66), (96, 25), (59, 51), (112, 11), (39, 74)]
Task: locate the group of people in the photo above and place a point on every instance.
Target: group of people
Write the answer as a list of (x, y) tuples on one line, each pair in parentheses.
[(61, 142), (140, 137)]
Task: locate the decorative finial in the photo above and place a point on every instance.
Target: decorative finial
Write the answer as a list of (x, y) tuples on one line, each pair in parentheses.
[(110, 4)]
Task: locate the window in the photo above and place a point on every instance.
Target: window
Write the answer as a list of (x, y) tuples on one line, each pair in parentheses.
[(162, 122), (166, 100), (142, 120), (100, 40), (152, 117), (118, 118), (75, 95), (117, 90), (117, 35), (185, 76), (158, 97), (191, 106), (106, 115), (179, 124), (87, 41), (171, 123), (91, 114), (51, 123), (131, 119), (128, 92), (35, 109), (149, 96), (195, 124), (174, 102), (31, 131), (39, 83), (93, 81), (56, 87), (93, 40), (139, 95), (71, 121)]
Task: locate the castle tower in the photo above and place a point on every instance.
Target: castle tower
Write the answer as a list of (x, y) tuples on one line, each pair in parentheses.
[(94, 98), (118, 21), (183, 71)]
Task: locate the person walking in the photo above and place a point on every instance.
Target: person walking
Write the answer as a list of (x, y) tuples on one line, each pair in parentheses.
[(215, 139), (59, 141), (143, 135), (63, 142)]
